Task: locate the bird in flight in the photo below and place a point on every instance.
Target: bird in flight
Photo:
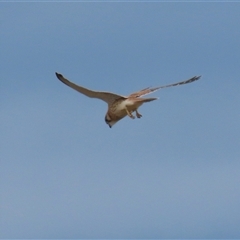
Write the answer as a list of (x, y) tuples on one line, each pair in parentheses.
[(121, 106)]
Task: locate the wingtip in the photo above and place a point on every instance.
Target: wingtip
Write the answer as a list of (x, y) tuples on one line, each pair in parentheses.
[(58, 75)]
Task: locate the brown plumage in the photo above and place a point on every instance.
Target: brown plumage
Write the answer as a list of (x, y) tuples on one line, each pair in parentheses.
[(120, 106)]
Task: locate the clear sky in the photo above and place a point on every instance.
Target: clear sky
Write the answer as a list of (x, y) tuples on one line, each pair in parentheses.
[(175, 173)]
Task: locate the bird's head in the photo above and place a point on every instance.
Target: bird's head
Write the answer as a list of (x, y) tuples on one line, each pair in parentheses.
[(109, 121)]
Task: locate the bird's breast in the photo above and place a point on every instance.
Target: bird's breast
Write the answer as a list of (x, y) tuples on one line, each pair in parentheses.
[(119, 107)]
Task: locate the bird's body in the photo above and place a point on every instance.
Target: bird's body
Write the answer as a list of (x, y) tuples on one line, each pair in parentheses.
[(120, 106)]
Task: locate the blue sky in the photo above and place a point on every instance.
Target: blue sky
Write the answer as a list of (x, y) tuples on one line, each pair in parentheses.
[(175, 173)]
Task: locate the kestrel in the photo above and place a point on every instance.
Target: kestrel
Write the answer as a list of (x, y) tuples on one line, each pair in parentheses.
[(121, 106)]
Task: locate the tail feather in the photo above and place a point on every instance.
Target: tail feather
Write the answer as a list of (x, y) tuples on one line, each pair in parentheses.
[(145, 99)]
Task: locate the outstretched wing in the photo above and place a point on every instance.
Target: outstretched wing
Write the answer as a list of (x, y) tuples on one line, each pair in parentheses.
[(107, 97), (146, 91)]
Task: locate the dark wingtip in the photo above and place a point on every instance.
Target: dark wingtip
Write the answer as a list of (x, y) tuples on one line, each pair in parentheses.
[(58, 75)]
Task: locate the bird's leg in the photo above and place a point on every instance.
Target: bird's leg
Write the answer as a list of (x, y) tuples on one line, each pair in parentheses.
[(129, 114), (138, 114)]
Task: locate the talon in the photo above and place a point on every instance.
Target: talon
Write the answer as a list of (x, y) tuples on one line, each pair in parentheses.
[(129, 114), (138, 114)]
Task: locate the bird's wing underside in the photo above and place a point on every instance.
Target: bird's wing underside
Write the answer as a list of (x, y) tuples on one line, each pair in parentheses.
[(149, 90), (107, 97)]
